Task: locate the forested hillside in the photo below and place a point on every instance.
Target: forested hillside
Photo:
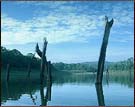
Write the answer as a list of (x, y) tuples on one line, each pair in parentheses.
[(17, 60)]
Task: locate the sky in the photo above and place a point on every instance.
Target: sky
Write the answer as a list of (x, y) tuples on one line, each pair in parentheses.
[(74, 30)]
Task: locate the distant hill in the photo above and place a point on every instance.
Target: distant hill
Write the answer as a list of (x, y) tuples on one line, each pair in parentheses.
[(17, 60)]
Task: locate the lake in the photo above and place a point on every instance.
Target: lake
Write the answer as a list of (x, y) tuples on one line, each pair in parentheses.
[(76, 89)]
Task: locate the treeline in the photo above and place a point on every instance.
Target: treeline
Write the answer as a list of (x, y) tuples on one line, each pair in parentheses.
[(122, 65), (92, 66), (77, 67), (17, 60)]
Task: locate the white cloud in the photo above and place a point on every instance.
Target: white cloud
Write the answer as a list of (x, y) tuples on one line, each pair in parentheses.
[(63, 24), (14, 31)]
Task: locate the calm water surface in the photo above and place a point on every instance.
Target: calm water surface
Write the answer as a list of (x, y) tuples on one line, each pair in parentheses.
[(74, 90)]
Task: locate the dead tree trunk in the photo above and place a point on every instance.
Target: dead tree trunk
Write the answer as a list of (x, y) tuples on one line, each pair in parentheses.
[(29, 65), (43, 97), (100, 95), (38, 51), (49, 85), (44, 57), (49, 71), (43, 61), (103, 51), (8, 71)]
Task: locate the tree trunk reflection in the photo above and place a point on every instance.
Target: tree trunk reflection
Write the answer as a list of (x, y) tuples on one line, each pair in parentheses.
[(100, 95)]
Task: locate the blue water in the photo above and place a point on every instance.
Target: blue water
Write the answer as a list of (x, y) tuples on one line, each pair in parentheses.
[(116, 93)]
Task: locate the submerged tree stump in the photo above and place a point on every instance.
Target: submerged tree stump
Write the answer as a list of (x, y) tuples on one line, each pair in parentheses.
[(103, 51), (29, 65), (42, 55), (43, 61), (47, 96), (43, 97), (100, 95), (48, 93), (49, 71)]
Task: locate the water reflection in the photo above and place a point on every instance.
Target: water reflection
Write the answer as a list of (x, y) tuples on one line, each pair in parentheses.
[(107, 78), (31, 96), (7, 89), (43, 98), (13, 90), (100, 95), (33, 99), (47, 96)]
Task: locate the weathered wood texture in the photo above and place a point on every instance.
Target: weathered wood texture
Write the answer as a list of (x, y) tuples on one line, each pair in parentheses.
[(29, 65), (49, 81), (103, 51), (48, 91), (39, 51), (49, 71), (43, 62)]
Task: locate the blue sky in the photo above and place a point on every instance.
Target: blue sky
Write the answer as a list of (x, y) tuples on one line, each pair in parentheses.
[(74, 30)]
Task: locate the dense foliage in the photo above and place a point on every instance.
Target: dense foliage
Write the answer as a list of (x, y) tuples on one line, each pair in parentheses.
[(17, 60), (77, 67), (123, 65), (92, 66)]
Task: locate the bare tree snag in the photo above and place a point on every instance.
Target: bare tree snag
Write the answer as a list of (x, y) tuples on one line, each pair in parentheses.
[(29, 65), (48, 93), (38, 51), (43, 61), (49, 70), (100, 95), (103, 51)]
